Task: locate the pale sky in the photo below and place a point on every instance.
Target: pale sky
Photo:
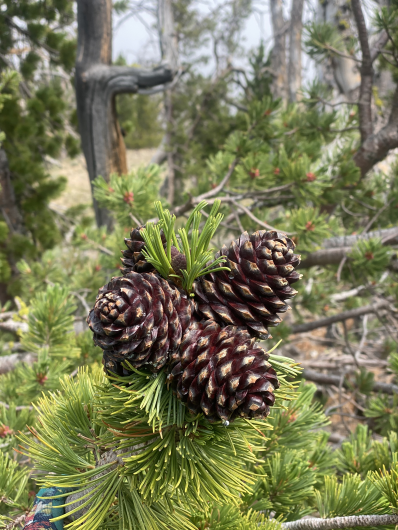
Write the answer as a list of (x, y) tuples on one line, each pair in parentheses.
[(135, 40)]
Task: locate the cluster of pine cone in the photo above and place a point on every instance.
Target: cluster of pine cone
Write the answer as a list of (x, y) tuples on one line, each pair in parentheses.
[(206, 342)]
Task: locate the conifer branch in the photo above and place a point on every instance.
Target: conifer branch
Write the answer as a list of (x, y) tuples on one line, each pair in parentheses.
[(313, 523)]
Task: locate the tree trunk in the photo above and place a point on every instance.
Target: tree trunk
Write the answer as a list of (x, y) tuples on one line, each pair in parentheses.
[(278, 57), (97, 84), (296, 28), (169, 49)]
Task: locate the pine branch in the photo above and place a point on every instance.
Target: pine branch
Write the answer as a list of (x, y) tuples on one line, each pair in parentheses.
[(313, 523), (328, 379), (340, 317)]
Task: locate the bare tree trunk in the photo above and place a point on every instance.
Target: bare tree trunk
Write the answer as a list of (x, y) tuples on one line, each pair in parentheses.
[(345, 72), (169, 49), (278, 58), (296, 28), (97, 84)]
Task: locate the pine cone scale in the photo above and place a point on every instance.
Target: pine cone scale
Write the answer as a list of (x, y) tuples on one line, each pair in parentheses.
[(136, 318), (219, 373), (262, 269)]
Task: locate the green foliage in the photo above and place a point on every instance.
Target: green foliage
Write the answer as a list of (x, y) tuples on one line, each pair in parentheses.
[(51, 323), (194, 245), (384, 413), (13, 489), (321, 39), (361, 453), (131, 195), (35, 42), (393, 363), (386, 483), (184, 460), (370, 257), (349, 497), (310, 227)]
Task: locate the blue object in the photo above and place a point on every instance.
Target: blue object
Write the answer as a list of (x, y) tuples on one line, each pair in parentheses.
[(45, 509)]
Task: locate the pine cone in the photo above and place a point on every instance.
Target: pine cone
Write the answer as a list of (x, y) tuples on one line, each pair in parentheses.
[(133, 259), (140, 318), (262, 269), (219, 372)]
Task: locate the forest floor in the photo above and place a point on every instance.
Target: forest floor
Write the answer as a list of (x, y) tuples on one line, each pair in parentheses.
[(78, 184)]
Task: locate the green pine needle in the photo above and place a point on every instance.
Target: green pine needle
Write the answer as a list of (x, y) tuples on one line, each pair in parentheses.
[(191, 241)]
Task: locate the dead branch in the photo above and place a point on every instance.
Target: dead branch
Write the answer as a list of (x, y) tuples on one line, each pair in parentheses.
[(340, 317), (10, 362), (329, 379), (14, 326)]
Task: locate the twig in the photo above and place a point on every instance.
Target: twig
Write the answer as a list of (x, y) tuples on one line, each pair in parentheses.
[(135, 219), (214, 192), (363, 338), (82, 300), (351, 521), (18, 521), (369, 225), (341, 413), (238, 221), (339, 297), (340, 269), (350, 241), (104, 250), (254, 218), (379, 45), (347, 342)]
